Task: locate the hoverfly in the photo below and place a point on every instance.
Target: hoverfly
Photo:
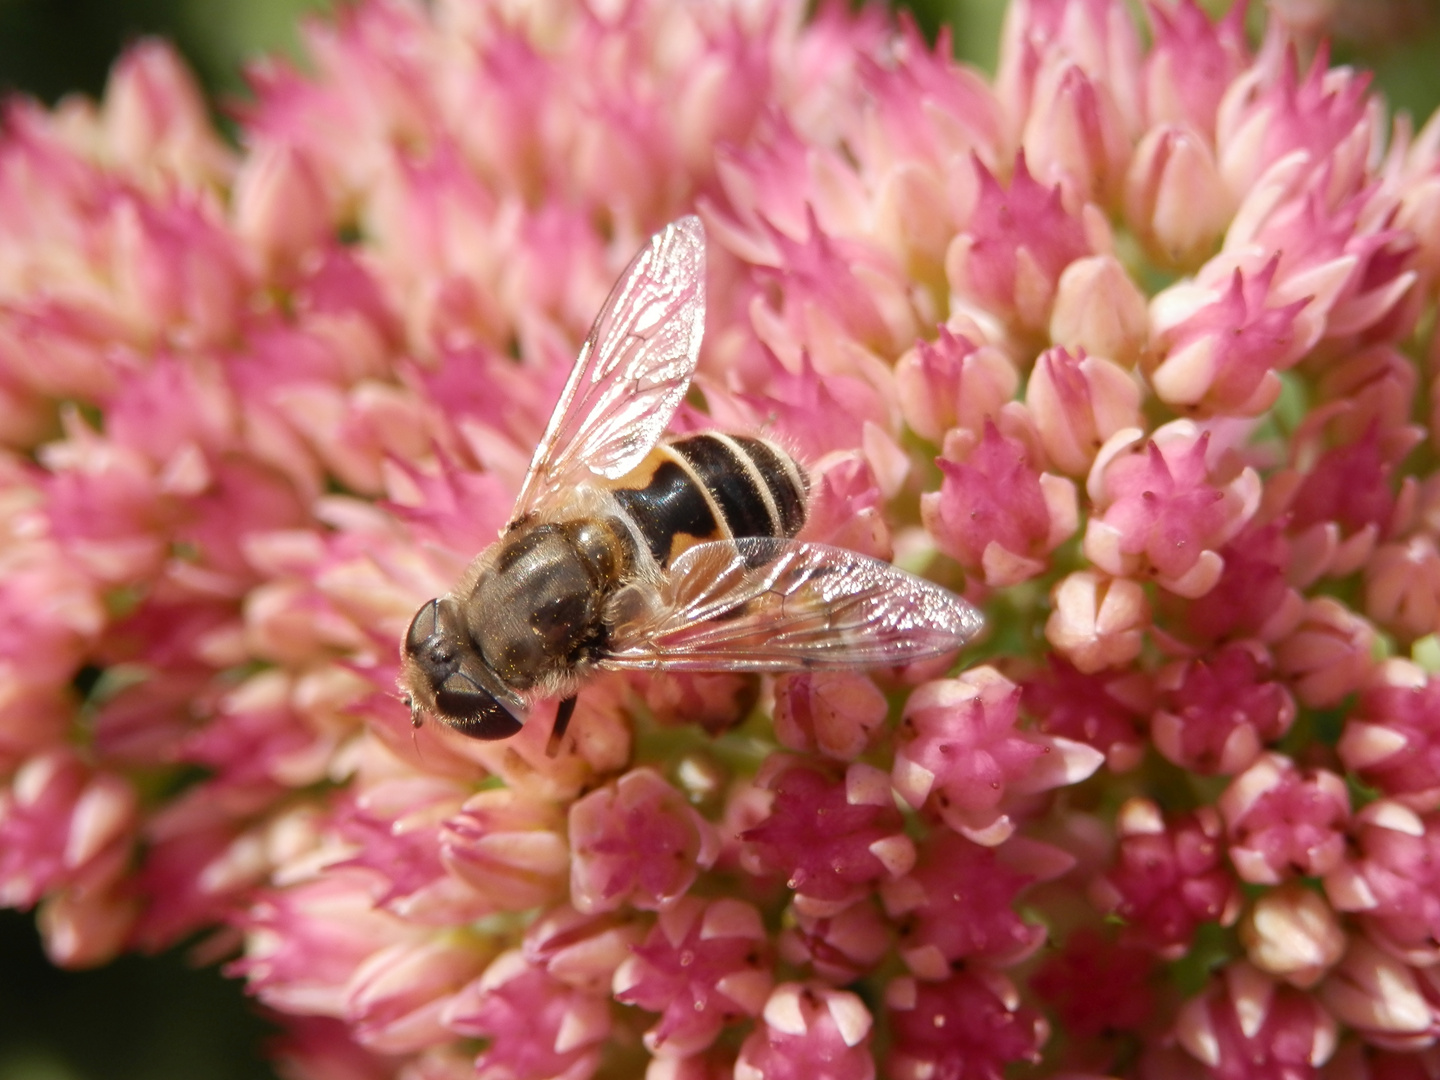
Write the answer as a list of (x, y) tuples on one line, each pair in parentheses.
[(628, 551)]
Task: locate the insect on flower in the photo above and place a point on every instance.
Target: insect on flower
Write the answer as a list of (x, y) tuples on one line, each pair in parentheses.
[(627, 551)]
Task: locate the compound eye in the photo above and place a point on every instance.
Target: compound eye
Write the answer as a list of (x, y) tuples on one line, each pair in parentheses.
[(424, 626), (473, 711)]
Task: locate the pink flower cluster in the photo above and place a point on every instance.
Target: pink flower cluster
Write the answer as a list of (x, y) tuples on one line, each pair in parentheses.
[(1134, 345)]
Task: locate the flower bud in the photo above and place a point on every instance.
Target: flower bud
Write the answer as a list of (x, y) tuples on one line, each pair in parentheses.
[(806, 1025), (1247, 1021), (1284, 822), (1380, 998), (636, 842), (1097, 621), (1078, 402), (1100, 310), (1293, 934), (996, 513), (1075, 134), (1175, 200), (1329, 655), (952, 382), (702, 966)]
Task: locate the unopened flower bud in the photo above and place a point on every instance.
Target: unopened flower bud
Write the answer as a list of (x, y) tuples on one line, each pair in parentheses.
[(1293, 934), (1174, 197), (1100, 310), (1097, 621)]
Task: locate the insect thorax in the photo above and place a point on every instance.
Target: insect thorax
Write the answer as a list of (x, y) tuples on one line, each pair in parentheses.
[(536, 612)]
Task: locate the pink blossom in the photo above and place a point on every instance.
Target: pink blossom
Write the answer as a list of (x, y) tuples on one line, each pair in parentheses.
[(1217, 714), (1252, 599), (1161, 515), (1389, 1003), (961, 751), (67, 834), (1246, 1022), (1096, 621), (715, 702), (63, 827), (1402, 587), (1099, 710), (847, 507), (996, 513), (838, 946), (958, 903), (933, 108), (1192, 63), (1284, 821), (809, 1032), (1169, 877), (637, 843), (1343, 504), (1174, 196), (393, 833), (1020, 239), (700, 967), (1389, 878), (972, 1022), (321, 1046), (86, 927), (399, 997), (306, 943), (953, 381), (1358, 1060), (155, 122), (198, 862), (582, 951), (1221, 346), (439, 862), (537, 1028), (1076, 133), (1095, 34), (1328, 655), (1293, 934), (822, 411), (1078, 402), (835, 713), (1390, 740), (1370, 393), (1342, 256), (1325, 113), (48, 619), (833, 837), (844, 283), (1098, 985)]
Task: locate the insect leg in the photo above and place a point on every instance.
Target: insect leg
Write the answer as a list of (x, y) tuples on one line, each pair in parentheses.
[(563, 713)]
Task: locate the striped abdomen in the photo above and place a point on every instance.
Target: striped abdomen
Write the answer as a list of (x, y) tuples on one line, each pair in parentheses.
[(712, 487)]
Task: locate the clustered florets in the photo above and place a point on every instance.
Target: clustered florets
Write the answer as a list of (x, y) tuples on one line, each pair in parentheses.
[(1135, 346)]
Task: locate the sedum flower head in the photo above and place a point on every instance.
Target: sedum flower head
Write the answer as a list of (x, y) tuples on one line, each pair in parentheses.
[(1133, 346)]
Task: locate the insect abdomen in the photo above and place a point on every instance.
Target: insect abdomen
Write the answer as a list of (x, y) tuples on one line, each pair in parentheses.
[(712, 487)]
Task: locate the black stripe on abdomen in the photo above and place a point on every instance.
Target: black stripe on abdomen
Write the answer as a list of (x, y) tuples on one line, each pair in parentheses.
[(670, 504), (753, 473), (781, 475), (733, 483)]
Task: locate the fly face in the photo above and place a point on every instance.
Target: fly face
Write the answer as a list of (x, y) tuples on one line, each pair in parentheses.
[(444, 674)]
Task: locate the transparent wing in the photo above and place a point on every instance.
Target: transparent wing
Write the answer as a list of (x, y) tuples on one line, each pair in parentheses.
[(764, 604), (632, 370)]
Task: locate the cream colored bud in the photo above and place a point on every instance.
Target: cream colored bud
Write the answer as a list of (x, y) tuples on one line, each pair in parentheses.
[(1292, 933), (1099, 309), (1175, 199)]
